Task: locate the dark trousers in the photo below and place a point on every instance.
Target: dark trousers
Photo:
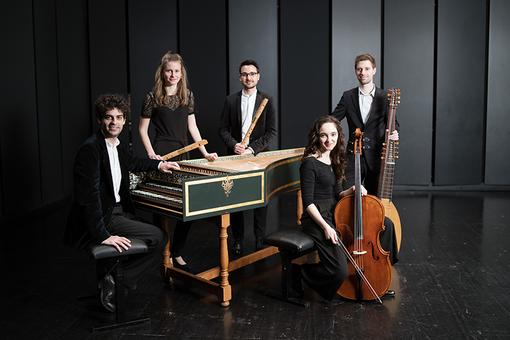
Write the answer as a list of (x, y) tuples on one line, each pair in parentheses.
[(125, 224), (389, 240), (259, 224), (369, 178)]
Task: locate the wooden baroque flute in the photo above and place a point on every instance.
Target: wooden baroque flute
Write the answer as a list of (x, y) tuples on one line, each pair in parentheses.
[(258, 113), (185, 149)]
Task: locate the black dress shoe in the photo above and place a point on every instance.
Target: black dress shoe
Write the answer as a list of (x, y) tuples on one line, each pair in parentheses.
[(297, 283), (107, 293), (186, 267), (238, 249), (390, 293)]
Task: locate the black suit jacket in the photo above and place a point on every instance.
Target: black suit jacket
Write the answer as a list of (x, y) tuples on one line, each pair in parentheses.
[(231, 123), (374, 129), (93, 190)]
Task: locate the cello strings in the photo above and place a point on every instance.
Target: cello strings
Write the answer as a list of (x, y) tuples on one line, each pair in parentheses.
[(359, 271), (358, 227)]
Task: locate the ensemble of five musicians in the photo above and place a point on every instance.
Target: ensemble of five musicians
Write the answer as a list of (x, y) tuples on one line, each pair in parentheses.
[(102, 211)]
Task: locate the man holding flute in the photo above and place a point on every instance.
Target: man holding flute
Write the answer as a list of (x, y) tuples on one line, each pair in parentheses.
[(247, 127)]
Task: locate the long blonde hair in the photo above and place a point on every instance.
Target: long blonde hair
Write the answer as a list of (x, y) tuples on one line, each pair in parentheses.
[(159, 82)]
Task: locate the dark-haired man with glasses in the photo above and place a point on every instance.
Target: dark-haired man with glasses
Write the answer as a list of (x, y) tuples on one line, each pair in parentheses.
[(238, 113)]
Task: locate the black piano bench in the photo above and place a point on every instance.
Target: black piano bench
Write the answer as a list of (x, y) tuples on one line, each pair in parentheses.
[(291, 243), (115, 259)]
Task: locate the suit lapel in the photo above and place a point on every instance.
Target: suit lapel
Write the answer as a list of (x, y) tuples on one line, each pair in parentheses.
[(355, 104), (239, 117), (105, 160), (258, 100), (124, 167), (376, 105)]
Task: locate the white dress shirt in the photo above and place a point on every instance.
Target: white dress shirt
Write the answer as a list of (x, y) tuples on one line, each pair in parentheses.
[(113, 155), (365, 101), (247, 108)]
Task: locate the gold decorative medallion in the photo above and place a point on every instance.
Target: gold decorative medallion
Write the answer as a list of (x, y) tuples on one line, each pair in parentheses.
[(227, 185)]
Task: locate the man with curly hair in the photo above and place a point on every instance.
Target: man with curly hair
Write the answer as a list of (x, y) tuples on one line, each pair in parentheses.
[(102, 211)]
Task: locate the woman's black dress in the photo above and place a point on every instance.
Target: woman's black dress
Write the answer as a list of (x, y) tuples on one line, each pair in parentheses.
[(170, 122), (319, 186), (171, 133)]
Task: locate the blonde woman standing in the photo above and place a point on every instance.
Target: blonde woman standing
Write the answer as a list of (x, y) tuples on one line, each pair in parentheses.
[(170, 107)]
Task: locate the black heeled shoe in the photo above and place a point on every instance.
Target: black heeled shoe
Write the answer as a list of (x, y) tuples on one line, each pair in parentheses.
[(186, 267), (390, 293)]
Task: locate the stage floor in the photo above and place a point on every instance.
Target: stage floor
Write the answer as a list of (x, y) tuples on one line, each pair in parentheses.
[(452, 282)]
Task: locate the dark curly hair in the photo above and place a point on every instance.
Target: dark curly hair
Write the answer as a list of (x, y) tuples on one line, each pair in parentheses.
[(107, 102), (314, 147)]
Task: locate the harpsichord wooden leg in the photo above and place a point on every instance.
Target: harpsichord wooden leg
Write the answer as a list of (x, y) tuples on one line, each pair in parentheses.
[(167, 262), (226, 289)]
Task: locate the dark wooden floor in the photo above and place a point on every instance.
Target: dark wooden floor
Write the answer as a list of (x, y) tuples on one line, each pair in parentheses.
[(452, 282)]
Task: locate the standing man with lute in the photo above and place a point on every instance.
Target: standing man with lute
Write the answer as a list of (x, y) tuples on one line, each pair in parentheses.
[(366, 107)]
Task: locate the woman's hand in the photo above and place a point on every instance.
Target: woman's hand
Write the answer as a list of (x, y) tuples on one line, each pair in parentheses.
[(211, 156), (364, 191), (154, 156), (331, 234), (352, 190)]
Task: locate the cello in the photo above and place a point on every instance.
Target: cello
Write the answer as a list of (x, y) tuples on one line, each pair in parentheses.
[(359, 220)]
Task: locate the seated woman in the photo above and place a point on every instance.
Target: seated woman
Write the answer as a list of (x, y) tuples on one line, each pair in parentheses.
[(321, 173)]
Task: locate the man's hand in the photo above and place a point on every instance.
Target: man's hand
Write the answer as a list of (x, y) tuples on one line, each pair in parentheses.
[(248, 151), (394, 135), (120, 243), (169, 166), (239, 148)]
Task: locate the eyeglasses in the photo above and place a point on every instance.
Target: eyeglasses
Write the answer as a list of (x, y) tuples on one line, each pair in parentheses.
[(251, 74)]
